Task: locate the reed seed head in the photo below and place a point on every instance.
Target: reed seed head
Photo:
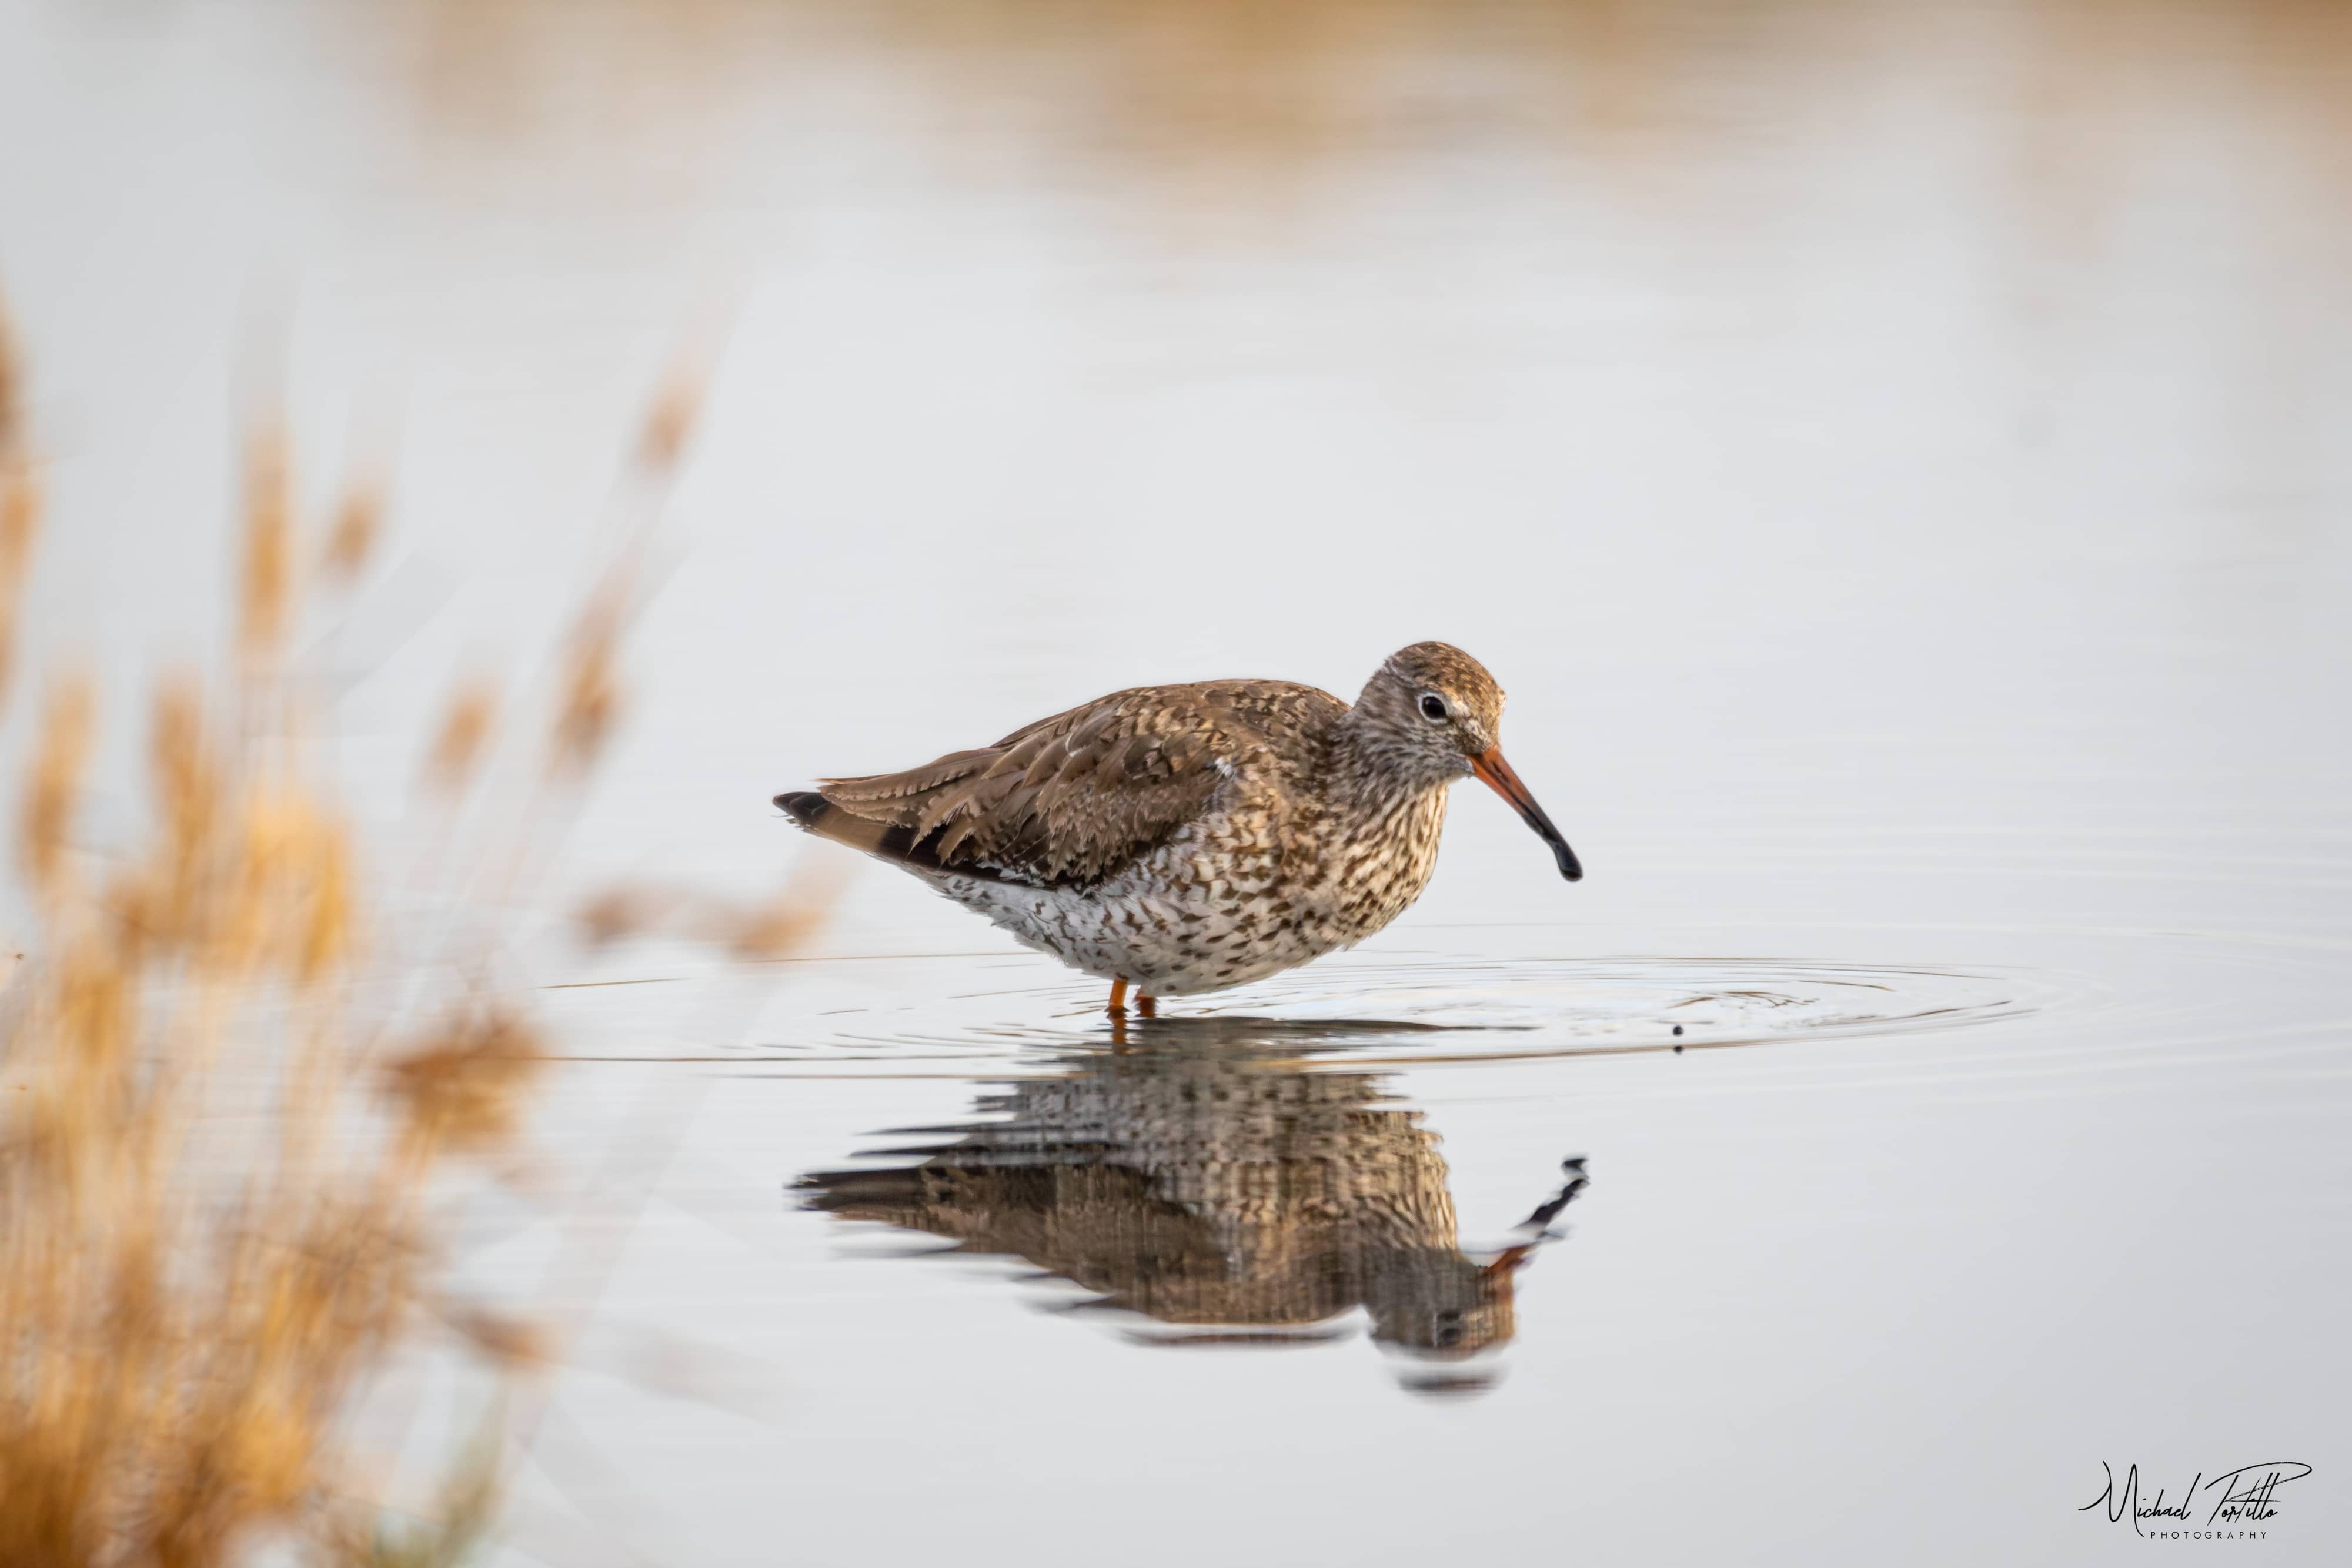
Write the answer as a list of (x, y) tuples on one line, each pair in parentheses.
[(20, 495), (670, 422), (462, 1087), (12, 389), (465, 730), (780, 927), (508, 1340), (591, 698), (54, 790), (352, 540), (268, 544), (20, 516)]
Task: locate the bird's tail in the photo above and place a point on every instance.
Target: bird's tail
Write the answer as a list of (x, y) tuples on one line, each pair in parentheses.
[(886, 841), (806, 807)]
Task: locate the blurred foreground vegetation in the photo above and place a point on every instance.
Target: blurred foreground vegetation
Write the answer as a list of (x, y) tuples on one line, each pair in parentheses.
[(239, 1108)]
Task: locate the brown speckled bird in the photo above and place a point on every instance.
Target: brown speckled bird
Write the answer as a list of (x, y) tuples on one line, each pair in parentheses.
[(1188, 839)]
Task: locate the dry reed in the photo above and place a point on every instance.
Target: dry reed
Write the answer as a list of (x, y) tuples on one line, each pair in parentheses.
[(352, 538), (186, 1311), (20, 499), (268, 544), (217, 1173), (189, 1311), (465, 731)]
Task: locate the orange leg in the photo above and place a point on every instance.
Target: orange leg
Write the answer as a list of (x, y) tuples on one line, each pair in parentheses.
[(1147, 1006), (1117, 1007)]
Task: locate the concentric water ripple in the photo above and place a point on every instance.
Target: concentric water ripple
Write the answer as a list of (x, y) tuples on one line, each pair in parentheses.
[(1399, 1009)]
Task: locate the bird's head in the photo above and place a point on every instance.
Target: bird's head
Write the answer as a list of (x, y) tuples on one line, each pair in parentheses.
[(1431, 713)]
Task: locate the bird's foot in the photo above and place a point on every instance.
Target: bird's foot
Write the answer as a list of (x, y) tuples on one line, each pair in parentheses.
[(1117, 1007), (1147, 1006)]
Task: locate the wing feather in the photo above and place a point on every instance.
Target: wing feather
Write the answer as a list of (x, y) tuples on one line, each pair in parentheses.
[(1071, 798)]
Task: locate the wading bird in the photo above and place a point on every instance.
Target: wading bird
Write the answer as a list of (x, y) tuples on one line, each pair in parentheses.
[(1188, 839)]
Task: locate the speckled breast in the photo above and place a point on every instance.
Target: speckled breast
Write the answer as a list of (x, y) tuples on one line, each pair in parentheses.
[(1234, 897)]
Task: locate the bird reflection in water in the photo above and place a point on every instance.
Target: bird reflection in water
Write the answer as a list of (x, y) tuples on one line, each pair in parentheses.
[(1204, 1175)]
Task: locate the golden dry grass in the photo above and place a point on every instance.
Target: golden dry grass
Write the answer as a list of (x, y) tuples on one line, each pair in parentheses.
[(186, 1314), (216, 1167)]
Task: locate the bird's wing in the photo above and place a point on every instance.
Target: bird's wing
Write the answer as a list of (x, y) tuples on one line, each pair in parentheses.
[(1070, 798)]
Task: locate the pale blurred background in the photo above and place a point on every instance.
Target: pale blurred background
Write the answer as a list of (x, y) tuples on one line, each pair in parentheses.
[(1731, 377), (1893, 454)]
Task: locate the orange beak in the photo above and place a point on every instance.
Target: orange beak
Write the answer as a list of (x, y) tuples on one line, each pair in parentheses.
[(1510, 1259), (1496, 773)]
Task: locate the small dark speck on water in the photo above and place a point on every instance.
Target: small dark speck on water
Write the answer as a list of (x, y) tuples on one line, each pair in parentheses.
[(1678, 1029)]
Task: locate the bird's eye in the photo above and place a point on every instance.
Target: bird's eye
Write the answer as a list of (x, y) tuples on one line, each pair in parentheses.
[(1432, 707)]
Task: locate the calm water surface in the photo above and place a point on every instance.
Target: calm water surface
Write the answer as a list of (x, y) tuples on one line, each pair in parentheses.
[(1893, 456)]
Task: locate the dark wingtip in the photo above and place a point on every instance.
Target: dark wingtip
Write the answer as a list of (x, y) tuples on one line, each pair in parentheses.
[(811, 810), (803, 806)]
